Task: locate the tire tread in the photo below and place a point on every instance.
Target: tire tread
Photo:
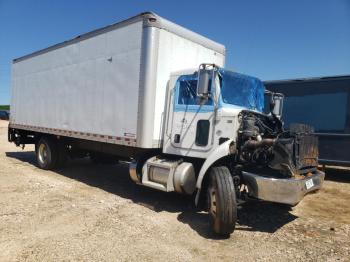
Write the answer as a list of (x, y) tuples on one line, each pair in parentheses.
[(226, 200)]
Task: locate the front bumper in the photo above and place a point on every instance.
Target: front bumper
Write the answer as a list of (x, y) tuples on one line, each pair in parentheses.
[(286, 191)]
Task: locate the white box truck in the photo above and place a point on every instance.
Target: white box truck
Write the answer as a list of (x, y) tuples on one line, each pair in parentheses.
[(156, 94)]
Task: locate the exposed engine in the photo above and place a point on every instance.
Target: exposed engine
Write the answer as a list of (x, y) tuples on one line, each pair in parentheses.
[(264, 143)]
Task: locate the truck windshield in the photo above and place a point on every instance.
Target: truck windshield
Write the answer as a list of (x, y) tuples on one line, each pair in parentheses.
[(241, 90)]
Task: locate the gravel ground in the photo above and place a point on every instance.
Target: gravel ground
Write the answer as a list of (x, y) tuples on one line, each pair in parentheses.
[(88, 212)]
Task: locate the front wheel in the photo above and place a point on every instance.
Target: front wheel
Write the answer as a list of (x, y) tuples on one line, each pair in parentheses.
[(222, 205)]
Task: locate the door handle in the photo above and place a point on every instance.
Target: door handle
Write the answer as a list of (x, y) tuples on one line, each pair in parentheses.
[(177, 138)]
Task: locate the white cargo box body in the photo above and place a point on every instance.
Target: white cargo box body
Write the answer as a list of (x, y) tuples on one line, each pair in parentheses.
[(107, 85)]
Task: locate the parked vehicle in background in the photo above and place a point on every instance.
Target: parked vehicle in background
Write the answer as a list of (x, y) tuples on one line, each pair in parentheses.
[(323, 103), (4, 115), (156, 94)]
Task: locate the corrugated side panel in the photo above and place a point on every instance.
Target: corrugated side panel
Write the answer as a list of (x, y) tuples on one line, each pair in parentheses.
[(177, 53), (90, 86)]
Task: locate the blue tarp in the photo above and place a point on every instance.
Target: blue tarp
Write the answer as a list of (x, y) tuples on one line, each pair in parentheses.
[(242, 90)]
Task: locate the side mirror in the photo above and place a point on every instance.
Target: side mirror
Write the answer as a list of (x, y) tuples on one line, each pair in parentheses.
[(203, 82), (278, 104)]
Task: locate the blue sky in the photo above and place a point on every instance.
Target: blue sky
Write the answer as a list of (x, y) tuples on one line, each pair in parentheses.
[(270, 39)]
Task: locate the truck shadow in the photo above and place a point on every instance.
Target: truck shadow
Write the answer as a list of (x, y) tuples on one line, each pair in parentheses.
[(252, 216), (263, 217), (338, 174)]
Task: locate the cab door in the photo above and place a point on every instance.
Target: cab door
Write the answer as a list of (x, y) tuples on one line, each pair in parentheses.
[(192, 122)]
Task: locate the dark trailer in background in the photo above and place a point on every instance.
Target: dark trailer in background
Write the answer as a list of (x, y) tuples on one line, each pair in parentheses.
[(325, 104)]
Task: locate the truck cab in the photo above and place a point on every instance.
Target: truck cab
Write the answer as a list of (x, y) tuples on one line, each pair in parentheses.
[(198, 121), (224, 141)]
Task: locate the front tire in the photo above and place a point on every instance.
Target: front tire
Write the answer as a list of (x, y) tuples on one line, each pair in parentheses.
[(222, 205)]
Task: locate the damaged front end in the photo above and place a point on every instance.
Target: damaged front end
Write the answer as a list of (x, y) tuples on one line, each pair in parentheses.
[(277, 165), (295, 152)]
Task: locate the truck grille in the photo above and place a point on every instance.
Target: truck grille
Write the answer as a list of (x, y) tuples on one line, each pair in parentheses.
[(306, 151)]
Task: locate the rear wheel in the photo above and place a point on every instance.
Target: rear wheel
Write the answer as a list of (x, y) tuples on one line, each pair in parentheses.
[(46, 153), (222, 205)]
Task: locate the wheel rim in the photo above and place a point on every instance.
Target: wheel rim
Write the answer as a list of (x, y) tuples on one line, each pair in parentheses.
[(42, 153)]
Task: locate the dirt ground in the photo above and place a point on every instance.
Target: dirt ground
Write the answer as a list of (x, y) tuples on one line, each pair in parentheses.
[(90, 212)]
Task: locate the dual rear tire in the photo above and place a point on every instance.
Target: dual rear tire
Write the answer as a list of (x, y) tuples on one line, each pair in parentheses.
[(50, 153)]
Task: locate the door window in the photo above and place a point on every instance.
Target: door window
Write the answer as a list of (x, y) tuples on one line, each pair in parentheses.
[(186, 95)]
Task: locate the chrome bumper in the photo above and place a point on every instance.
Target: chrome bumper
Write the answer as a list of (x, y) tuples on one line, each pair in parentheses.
[(285, 191)]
